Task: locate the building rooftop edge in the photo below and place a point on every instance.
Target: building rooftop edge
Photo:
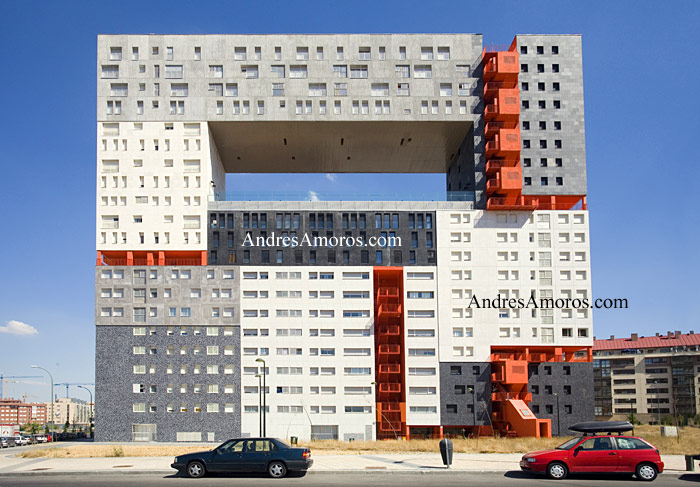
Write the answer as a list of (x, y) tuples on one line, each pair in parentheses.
[(669, 340)]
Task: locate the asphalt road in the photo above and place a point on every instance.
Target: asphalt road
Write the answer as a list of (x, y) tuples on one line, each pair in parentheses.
[(336, 479)]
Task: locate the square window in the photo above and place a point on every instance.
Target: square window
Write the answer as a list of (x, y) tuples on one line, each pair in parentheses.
[(523, 49), (540, 49), (555, 68), (523, 68), (555, 49)]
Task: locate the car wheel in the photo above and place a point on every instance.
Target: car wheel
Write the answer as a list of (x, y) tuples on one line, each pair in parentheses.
[(557, 471), (646, 472), (196, 469), (277, 470)]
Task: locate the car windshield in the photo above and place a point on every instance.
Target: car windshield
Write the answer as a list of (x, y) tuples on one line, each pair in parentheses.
[(569, 444)]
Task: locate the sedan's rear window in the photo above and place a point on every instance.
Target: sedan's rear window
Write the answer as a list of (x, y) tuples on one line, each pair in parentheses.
[(282, 444), (631, 444)]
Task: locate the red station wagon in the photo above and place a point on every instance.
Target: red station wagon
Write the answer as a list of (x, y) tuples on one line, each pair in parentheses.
[(598, 453)]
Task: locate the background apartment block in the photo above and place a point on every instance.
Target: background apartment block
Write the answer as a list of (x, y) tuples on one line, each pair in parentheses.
[(650, 377), (357, 342)]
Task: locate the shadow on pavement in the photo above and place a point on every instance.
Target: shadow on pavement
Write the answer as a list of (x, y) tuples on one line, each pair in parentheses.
[(690, 477), (518, 474), (233, 475)]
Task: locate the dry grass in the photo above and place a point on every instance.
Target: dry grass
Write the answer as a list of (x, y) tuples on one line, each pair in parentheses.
[(689, 441)]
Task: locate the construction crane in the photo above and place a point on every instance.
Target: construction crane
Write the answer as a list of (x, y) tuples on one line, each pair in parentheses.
[(68, 384), (4, 380)]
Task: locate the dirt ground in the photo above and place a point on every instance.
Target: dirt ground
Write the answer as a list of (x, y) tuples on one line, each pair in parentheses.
[(689, 442)]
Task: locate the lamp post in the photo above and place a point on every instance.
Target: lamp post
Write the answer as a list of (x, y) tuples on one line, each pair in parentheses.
[(51, 377), (92, 405), (259, 404), (264, 395), (558, 415), (472, 390)]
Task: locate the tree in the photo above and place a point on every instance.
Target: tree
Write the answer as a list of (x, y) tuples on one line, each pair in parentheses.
[(667, 420), (633, 419), (66, 426), (32, 428)]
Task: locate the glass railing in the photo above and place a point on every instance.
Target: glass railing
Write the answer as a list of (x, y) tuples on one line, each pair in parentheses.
[(330, 196)]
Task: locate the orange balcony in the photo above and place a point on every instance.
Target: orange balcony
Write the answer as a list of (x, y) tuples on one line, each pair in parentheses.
[(393, 426), (491, 128), (389, 310), (389, 349), (500, 66), (504, 396), (389, 388), (505, 105), (389, 369), (390, 330), (491, 87), (389, 407), (505, 142), (494, 166), (385, 293), (514, 204)]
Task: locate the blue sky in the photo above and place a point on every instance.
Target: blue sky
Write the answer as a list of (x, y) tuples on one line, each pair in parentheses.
[(640, 82)]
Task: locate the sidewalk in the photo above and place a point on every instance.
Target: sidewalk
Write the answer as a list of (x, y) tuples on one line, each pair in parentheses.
[(410, 462)]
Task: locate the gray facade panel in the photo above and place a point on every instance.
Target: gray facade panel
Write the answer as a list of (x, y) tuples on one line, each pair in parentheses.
[(115, 379), (230, 247), (573, 385), (457, 379)]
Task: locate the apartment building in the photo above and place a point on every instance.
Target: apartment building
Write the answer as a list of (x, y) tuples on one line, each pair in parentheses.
[(348, 319), (649, 377), (75, 411), (15, 411)]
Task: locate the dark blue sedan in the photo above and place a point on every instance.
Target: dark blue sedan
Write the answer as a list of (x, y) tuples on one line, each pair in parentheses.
[(249, 455)]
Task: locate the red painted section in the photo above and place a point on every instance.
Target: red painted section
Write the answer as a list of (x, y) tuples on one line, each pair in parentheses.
[(389, 352), (152, 258), (509, 377)]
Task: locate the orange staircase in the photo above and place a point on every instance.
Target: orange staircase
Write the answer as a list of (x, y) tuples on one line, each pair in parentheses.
[(389, 352), (509, 378)]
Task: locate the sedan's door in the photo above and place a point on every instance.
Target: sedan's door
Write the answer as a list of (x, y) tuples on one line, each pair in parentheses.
[(631, 452), (228, 457), (257, 454), (595, 455)]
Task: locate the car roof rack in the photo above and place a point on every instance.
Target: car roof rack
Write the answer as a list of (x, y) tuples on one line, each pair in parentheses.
[(609, 427)]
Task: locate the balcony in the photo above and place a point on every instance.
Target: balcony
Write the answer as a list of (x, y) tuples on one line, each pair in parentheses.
[(385, 293), (501, 66), (388, 331), (505, 143), (506, 106), (389, 310), (389, 407), (504, 396), (491, 87), (389, 349), (387, 369), (390, 388), (491, 128)]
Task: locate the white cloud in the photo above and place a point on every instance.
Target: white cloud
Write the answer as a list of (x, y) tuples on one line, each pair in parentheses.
[(312, 196), (18, 328), (331, 177)]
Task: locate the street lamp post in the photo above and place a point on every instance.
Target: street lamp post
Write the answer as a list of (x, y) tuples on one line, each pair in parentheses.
[(260, 432), (558, 415), (92, 405), (50, 377), (264, 405)]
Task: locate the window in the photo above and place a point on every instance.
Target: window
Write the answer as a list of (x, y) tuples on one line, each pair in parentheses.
[(358, 71), (298, 71), (443, 53), (302, 53), (216, 71), (173, 71), (426, 53), (365, 53), (403, 70), (250, 72), (423, 71)]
